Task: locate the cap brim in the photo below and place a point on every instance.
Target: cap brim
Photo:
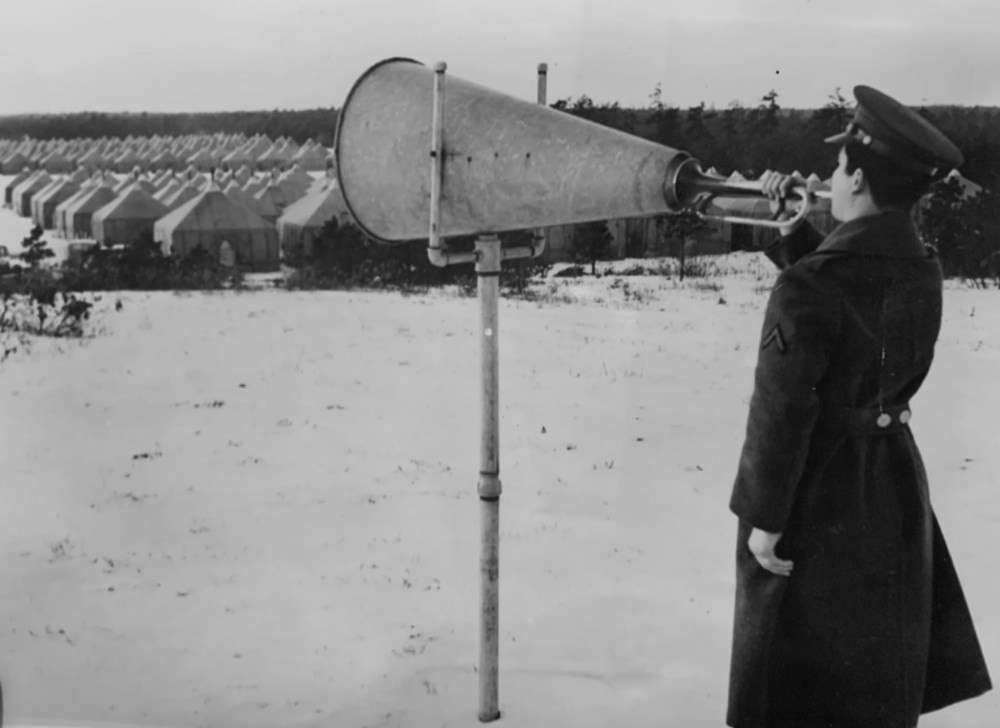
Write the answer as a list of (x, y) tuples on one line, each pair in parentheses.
[(838, 138)]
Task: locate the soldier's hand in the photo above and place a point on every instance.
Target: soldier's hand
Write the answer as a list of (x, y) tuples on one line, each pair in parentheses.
[(762, 545), (778, 187)]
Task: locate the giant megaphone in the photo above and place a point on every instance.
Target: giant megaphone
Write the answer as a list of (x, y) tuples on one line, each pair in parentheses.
[(501, 163)]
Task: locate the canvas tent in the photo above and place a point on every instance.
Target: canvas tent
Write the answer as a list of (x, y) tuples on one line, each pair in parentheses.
[(237, 158), (23, 193), (168, 189), (8, 194), (56, 162), (13, 162), (80, 215), (303, 220), (92, 160), (179, 196), (273, 201), (218, 224), (237, 194), (61, 220), (127, 218), (311, 157), (202, 160), (295, 182), (35, 213), (165, 159), (125, 160), (277, 157), (243, 174), (45, 203), (255, 185)]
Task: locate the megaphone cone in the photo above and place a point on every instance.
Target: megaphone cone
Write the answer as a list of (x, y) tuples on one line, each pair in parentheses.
[(506, 164)]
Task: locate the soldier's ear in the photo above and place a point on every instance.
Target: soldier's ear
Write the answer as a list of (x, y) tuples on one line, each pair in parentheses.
[(858, 182)]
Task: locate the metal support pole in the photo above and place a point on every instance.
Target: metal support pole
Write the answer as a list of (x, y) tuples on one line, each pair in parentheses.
[(488, 271), (488, 258)]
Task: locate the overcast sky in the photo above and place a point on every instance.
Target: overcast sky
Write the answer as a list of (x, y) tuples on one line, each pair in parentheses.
[(226, 55)]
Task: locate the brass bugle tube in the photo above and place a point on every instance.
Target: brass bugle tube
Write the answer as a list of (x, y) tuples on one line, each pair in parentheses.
[(688, 186)]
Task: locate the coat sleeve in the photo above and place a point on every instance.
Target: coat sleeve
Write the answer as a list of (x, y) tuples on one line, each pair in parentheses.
[(800, 323), (789, 248)]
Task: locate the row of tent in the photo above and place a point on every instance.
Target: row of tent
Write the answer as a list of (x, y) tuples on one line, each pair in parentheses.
[(204, 152), (266, 216), (256, 217)]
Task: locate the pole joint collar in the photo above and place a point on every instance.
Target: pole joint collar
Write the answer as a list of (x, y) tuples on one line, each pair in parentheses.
[(488, 254), (489, 486)]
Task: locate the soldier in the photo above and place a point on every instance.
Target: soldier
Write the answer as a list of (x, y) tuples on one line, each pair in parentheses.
[(849, 612)]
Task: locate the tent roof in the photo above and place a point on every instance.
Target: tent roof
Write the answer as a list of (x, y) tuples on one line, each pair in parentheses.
[(133, 204), (93, 199), (316, 209), (211, 210), (179, 196), (234, 191), (19, 178), (35, 182), (62, 187)]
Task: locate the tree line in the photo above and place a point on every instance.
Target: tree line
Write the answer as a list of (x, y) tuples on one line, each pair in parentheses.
[(317, 124), (964, 229), (747, 139), (751, 139)]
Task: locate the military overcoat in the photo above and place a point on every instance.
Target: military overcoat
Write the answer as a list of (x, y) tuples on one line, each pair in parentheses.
[(871, 629)]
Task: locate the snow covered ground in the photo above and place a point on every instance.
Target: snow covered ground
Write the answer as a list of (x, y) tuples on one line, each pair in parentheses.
[(259, 509)]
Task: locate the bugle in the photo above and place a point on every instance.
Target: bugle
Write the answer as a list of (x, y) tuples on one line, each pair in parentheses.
[(693, 188)]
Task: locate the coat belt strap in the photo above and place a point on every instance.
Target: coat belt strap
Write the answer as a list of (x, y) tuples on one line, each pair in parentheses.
[(869, 421)]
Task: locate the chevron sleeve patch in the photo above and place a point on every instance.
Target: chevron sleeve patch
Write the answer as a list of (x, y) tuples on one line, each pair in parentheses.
[(776, 338)]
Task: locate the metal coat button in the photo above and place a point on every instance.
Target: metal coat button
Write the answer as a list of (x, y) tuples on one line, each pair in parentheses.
[(884, 420), (904, 416)]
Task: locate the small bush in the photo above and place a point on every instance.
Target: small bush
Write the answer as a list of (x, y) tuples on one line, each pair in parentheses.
[(33, 304), (699, 268), (965, 230), (633, 270), (591, 243), (344, 258), (681, 269), (142, 265), (35, 248), (573, 271)]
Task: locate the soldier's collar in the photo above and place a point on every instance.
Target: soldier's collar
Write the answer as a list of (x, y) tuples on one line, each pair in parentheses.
[(890, 234)]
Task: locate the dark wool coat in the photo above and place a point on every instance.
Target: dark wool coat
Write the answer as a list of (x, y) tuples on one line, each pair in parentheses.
[(871, 629)]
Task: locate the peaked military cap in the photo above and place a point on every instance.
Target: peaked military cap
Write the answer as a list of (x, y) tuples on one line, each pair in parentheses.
[(892, 130)]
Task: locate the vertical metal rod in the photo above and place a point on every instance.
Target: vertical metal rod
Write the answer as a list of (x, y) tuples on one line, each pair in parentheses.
[(488, 271), (540, 235), (436, 252), (437, 135)]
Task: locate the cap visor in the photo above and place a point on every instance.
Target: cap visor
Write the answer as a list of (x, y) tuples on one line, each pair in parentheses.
[(838, 138)]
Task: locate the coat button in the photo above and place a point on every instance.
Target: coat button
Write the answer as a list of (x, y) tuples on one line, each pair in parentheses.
[(904, 416), (884, 420)]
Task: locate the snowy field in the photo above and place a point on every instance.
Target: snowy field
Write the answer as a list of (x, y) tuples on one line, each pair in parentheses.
[(259, 509)]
